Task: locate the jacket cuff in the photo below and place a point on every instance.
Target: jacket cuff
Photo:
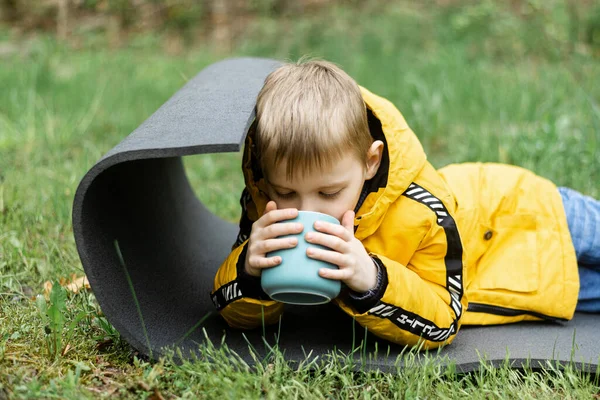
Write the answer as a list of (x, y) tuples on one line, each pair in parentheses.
[(363, 302), (249, 285)]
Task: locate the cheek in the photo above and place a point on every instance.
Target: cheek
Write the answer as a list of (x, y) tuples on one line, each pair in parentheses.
[(337, 214), (339, 208), (285, 203)]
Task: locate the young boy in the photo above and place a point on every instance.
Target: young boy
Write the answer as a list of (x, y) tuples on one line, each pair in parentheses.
[(414, 243)]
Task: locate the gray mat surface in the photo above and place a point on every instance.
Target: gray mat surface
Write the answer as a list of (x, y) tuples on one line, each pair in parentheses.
[(138, 196)]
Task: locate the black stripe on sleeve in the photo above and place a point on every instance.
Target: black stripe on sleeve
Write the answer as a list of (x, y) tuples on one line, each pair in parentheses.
[(454, 251), (243, 285), (226, 294), (412, 322)]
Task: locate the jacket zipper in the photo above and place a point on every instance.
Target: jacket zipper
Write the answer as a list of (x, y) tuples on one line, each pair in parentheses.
[(509, 312)]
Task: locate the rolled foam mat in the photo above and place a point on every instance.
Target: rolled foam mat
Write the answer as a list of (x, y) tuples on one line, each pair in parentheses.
[(150, 248)]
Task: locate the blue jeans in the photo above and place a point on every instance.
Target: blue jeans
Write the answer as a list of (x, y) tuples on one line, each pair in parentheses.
[(583, 217)]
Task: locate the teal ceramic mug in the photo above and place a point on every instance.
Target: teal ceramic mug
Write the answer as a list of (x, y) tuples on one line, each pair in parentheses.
[(296, 280)]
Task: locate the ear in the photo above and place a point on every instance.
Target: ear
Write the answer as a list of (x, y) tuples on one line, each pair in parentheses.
[(374, 155)]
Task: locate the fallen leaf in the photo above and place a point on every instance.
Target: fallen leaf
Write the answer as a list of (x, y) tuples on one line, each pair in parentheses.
[(74, 285), (66, 350), (156, 395), (103, 390), (47, 289), (104, 344), (78, 284)]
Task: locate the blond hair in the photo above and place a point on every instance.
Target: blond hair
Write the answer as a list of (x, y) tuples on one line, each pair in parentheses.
[(310, 114)]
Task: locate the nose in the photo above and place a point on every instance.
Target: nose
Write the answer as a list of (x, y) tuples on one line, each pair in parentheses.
[(308, 205)]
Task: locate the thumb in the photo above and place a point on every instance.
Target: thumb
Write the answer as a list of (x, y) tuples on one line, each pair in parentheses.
[(271, 205), (348, 221)]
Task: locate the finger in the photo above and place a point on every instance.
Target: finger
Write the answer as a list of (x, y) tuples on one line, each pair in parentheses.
[(264, 262), (270, 245), (336, 274), (281, 229), (348, 221), (332, 257), (277, 215), (332, 242), (271, 205), (334, 229)]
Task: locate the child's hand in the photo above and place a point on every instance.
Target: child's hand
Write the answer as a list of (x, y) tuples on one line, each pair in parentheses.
[(356, 268), (263, 238)]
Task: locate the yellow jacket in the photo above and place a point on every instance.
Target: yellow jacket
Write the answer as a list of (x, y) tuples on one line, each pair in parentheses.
[(522, 263), (495, 235)]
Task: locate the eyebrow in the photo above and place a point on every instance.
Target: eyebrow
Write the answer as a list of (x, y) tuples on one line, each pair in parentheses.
[(334, 185)]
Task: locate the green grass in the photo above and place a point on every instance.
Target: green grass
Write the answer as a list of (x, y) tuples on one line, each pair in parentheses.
[(471, 93)]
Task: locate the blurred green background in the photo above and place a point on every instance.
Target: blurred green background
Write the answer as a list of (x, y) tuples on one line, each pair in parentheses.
[(512, 81)]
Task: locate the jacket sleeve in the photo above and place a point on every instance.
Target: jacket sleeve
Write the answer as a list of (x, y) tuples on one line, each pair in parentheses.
[(421, 303), (238, 296)]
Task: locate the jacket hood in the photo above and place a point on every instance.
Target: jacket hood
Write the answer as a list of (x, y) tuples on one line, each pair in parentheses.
[(406, 160)]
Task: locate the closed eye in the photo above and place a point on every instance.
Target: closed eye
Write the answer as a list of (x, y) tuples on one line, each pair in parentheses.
[(285, 195), (330, 195)]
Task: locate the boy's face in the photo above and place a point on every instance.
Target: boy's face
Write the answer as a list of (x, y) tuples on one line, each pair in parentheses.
[(332, 190)]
